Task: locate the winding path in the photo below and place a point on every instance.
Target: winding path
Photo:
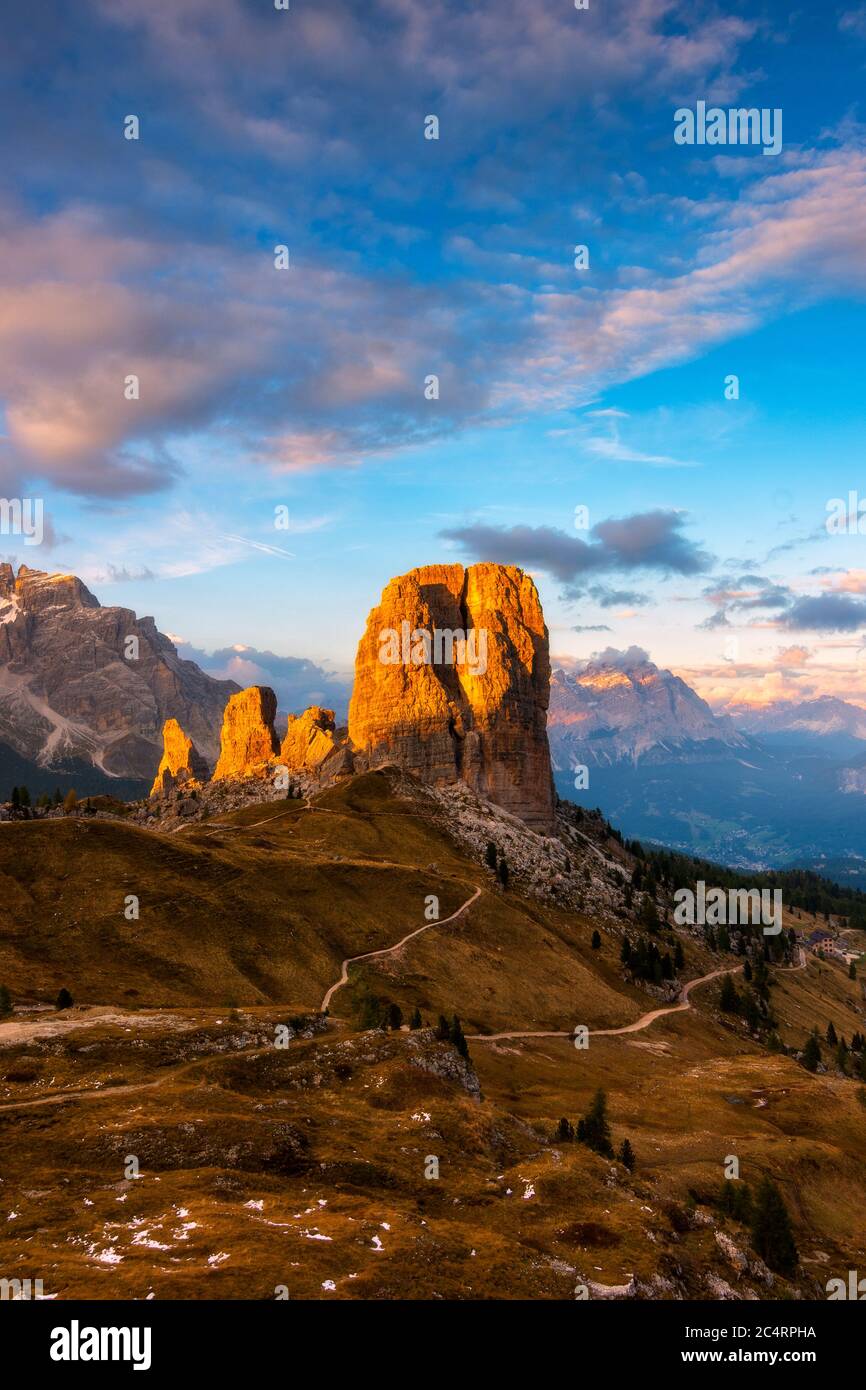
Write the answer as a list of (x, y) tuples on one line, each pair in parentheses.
[(645, 1019), (389, 950)]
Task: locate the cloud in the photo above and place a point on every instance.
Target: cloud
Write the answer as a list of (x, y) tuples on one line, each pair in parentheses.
[(792, 656), (298, 682), (616, 598), (854, 21), (614, 449), (648, 540), (826, 613), (592, 627), (120, 574), (850, 582), (621, 660)]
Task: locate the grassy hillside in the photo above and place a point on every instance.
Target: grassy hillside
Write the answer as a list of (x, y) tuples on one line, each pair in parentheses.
[(306, 1166)]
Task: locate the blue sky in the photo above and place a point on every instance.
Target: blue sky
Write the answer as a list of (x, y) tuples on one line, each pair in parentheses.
[(304, 388)]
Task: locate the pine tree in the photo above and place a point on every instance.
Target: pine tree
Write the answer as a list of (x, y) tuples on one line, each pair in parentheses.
[(442, 1031), (772, 1236), (394, 1016), (5, 1001), (64, 1000), (490, 856), (564, 1132), (852, 971), (811, 1053), (455, 1035), (747, 970), (370, 1012), (831, 1035), (58, 797), (625, 951), (415, 1020), (596, 941), (679, 957), (626, 1155), (649, 916), (503, 872), (25, 796), (729, 999), (16, 799), (593, 1129)]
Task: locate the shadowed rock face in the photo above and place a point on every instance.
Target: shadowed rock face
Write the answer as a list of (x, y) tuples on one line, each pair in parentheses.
[(248, 743), (73, 683), (477, 716), (181, 761), (309, 739)]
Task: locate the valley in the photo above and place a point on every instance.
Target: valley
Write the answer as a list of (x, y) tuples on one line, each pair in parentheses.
[(303, 1170)]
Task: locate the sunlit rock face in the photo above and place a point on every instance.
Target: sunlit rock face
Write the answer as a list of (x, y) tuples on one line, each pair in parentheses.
[(181, 762), (248, 742), (452, 681), (310, 739)]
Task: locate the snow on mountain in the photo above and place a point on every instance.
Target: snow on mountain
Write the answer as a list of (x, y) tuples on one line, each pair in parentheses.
[(92, 683), (824, 716), (621, 707)]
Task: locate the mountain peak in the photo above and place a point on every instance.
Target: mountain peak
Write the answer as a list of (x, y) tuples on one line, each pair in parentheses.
[(620, 706)]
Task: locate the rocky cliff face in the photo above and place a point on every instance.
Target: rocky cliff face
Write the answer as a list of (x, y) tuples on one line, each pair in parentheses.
[(73, 685), (181, 761), (248, 742), (452, 682), (310, 739), (623, 708)]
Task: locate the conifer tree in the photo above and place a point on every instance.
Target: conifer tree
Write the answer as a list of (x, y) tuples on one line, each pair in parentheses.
[(729, 999), (596, 941), (490, 855), (772, 1236), (811, 1053), (455, 1035), (593, 1129), (626, 1155), (64, 1000)]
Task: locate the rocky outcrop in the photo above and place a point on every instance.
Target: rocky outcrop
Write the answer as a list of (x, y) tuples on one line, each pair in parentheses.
[(452, 682), (81, 681), (181, 762), (248, 742), (310, 739)]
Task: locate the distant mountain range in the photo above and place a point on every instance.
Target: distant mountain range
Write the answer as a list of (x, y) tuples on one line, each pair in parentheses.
[(759, 789), (629, 711), (85, 690)]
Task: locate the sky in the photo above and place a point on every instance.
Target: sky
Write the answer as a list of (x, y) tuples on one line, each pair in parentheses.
[(286, 454)]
